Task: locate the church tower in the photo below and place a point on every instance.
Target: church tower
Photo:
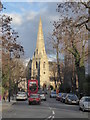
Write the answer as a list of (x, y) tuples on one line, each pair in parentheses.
[(40, 66)]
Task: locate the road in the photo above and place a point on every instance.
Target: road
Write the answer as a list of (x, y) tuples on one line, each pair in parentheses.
[(47, 110)]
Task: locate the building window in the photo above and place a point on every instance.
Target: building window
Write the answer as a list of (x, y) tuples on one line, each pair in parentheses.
[(44, 65), (44, 72), (36, 64), (37, 51)]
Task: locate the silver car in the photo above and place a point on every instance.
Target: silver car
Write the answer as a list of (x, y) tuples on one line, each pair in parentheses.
[(84, 103), (53, 94), (42, 95), (21, 96)]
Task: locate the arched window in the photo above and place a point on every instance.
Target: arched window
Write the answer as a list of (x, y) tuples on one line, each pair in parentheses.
[(36, 64), (37, 51), (44, 65)]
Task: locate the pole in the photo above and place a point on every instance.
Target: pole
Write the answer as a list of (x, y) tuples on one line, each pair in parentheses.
[(39, 74), (9, 78)]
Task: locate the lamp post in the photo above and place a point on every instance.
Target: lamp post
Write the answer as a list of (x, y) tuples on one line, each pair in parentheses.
[(39, 74), (10, 51)]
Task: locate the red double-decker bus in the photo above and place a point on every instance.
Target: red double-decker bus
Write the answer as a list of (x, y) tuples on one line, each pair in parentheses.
[(32, 87)]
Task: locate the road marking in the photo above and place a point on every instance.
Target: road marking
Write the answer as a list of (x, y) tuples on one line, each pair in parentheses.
[(53, 117), (53, 112), (49, 117)]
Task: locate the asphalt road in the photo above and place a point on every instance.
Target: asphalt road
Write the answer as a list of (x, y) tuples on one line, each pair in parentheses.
[(49, 109)]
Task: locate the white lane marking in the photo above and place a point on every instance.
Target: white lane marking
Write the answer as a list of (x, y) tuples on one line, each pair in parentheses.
[(49, 117), (53, 117), (53, 112)]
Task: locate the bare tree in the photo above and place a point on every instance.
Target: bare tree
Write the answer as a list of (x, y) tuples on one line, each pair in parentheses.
[(10, 48)]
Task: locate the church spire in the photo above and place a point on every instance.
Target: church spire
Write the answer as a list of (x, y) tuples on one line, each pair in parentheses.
[(40, 39)]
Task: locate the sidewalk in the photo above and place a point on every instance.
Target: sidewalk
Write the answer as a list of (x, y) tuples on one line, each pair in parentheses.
[(6, 104)]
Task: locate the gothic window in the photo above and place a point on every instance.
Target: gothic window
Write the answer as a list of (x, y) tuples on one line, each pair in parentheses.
[(34, 53), (44, 65), (36, 64), (37, 51)]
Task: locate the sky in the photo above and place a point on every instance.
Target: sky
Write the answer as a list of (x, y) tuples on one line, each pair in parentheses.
[(26, 16)]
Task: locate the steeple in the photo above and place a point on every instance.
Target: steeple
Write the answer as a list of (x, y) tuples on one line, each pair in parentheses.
[(40, 66), (40, 39)]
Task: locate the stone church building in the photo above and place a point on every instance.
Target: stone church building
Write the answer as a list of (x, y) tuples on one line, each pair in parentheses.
[(39, 64)]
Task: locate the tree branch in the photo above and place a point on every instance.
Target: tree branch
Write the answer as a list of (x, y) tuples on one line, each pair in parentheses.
[(86, 5), (87, 27), (82, 23)]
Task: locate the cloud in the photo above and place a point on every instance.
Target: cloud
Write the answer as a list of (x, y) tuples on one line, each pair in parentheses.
[(30, 16), (17, 18), (26, 24)]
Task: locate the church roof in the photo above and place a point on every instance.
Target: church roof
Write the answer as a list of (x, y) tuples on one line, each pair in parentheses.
[(40, 38)]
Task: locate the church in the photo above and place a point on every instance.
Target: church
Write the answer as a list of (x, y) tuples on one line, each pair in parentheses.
[(39, 62)]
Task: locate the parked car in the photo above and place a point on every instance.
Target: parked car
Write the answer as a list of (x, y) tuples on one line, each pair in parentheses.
[(84, 103), (71, 99), (63, 97), (42, 95), (53, 94), (59, 96), (21, 96), (34, 98)]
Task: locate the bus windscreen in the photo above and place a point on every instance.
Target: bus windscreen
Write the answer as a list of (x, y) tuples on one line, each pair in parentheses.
[(32, 86)]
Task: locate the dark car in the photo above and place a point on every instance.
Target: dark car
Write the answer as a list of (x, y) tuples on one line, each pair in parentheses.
[(34, 98), (71, 99), (63, 97), (59, 96)]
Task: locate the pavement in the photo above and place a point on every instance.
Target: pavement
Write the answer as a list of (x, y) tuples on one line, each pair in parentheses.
[(0, 109), (6, 105)]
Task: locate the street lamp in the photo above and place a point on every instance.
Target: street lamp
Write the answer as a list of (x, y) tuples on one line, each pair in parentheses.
[(10, 51)]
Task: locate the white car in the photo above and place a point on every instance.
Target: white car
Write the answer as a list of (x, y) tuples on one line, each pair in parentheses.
[(84, 103), (21, 96), (43, 97)]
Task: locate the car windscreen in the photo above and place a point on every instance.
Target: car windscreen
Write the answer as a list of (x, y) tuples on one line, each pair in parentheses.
[(73, 97), (21, 93), (87, 99), (34, 96), (60, 94), (64, 95), (53, 93)]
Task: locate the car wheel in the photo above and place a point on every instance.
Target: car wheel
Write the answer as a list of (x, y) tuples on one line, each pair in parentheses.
[(29, 103), (39, 103), (79, 108), (83, 109), (65, 102)]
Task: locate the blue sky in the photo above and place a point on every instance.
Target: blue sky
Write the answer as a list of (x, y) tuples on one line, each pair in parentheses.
[(19, 7), (26, 17)]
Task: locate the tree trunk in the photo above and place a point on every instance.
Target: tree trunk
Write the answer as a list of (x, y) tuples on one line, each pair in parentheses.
[(81, 78)]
